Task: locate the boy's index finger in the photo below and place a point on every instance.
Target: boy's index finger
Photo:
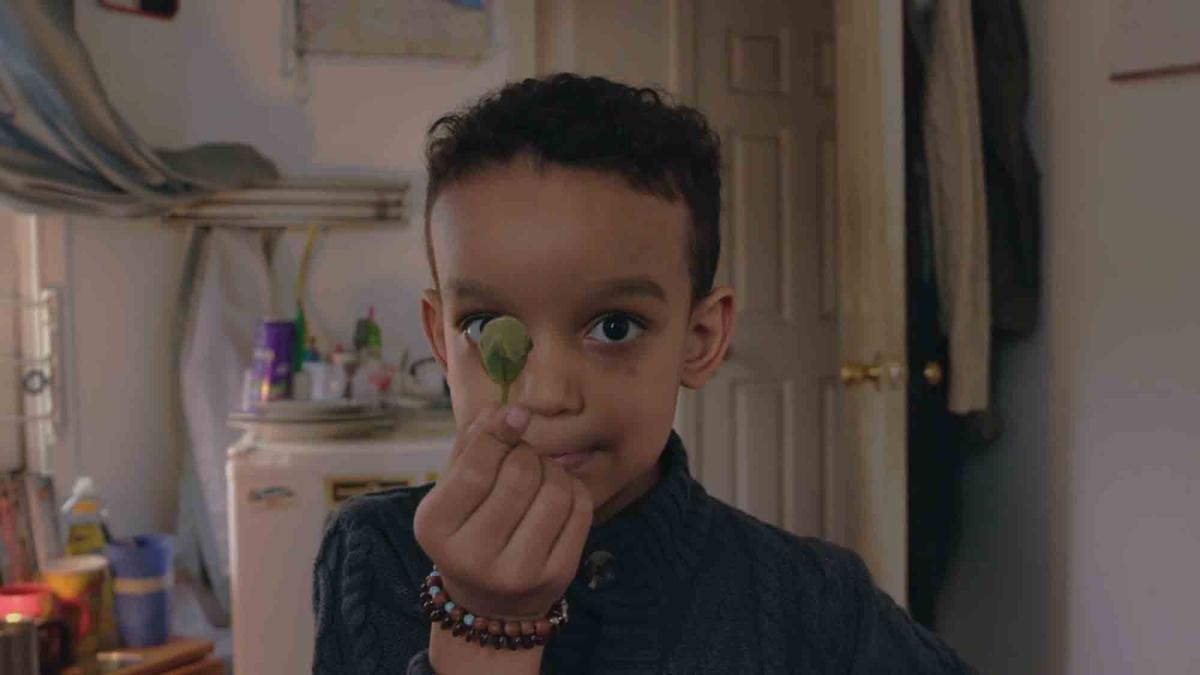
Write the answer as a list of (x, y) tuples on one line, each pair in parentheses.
[(490, 437), (473, 468), (465, 435)]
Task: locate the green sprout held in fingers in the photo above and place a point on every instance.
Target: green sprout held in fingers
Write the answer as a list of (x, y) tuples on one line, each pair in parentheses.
[(505, 344)]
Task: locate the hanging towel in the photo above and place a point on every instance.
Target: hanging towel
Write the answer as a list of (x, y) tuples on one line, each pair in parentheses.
[(230, 292)]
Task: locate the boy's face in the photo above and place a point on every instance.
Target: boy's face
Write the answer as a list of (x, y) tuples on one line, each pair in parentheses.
[(598, 273)]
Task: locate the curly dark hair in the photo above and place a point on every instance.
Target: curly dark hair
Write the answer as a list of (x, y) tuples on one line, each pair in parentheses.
[(568, 120)]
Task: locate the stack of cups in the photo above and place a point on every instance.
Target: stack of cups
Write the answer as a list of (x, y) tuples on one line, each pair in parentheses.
[(82, 582), (142, 585)]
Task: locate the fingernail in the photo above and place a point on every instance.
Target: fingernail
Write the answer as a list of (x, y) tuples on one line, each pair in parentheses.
[(516, 417)]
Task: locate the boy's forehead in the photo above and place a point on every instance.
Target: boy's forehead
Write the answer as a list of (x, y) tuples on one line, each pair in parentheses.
[(564, 227)]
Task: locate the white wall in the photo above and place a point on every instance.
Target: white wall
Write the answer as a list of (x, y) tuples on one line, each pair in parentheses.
[(1083, 528), (126, 422), (213, 73), (10, 373)]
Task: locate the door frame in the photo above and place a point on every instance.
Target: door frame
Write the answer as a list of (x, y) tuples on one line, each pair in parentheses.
[(873, 439)]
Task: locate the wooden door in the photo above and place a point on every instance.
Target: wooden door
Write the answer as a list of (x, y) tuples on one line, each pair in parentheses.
[(761, 431)]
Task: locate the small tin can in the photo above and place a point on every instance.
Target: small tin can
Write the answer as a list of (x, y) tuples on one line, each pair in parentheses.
[(273, 345)]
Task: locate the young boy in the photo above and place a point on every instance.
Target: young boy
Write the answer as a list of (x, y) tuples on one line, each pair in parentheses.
[(589, 211)]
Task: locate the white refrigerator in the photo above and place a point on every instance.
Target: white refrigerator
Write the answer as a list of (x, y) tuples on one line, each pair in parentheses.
[(280, 494)]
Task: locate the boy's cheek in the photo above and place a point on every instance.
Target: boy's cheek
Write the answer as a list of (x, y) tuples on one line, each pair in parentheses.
[(464, 392)]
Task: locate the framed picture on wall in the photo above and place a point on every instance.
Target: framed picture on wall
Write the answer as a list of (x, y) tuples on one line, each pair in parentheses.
[(457, 29), (1154, 38)]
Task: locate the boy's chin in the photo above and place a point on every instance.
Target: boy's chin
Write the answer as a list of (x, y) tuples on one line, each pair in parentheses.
[(612, 493)]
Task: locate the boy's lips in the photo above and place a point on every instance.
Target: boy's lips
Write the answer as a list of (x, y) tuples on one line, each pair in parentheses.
[(571, 460)]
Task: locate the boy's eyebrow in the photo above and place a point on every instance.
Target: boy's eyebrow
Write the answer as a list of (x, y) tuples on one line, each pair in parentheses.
[(464, 289)]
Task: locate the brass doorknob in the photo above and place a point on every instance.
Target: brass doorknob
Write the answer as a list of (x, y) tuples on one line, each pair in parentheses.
[(890, 373), (933, 373), (857, 373)]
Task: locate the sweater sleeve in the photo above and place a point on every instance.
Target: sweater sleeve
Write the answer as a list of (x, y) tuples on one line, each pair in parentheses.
[(886, 639), (365, 603), (420, 664)]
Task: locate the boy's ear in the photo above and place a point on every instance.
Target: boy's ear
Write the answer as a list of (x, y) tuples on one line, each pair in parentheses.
[(709, 331), (431, 319)]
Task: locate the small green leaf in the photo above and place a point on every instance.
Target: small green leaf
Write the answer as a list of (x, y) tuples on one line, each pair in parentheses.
[(505, 345)]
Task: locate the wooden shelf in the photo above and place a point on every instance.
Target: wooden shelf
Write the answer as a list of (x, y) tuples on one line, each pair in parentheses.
[(180, 656)]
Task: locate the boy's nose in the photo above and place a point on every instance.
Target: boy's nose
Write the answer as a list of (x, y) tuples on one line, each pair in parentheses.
[(546, 385)]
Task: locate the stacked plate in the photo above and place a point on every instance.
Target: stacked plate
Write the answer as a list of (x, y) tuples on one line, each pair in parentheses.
[(312, 420)]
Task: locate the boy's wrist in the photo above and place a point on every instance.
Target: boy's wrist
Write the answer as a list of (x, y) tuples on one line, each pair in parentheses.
[(450, 655)]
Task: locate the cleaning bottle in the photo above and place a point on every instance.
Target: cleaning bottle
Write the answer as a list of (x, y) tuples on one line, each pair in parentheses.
[(315, 371), (342, 367), (373, 378), (84, 515)]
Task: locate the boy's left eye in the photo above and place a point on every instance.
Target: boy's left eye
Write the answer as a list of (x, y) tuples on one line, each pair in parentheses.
[(616, 328), (472, 326), (610, 329)]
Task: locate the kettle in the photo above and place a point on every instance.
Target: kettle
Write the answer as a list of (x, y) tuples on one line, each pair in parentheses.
[(18, 646), (33, 646), (424, 381)]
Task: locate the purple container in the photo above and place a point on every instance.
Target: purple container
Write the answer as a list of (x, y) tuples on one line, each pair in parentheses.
[(273, 345)]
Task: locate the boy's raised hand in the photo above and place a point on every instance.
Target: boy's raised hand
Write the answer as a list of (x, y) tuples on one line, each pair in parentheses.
[(505, 527)]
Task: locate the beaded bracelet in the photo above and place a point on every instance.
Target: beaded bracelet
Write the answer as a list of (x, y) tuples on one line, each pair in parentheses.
[(497, 633)]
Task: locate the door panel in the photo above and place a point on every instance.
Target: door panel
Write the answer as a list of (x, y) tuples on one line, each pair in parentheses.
[(758, 439)]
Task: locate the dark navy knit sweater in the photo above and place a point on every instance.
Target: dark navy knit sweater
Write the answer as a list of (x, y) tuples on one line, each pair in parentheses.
[(697, 587)]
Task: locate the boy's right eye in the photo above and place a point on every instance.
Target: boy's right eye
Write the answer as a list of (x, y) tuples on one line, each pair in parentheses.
[(472, 326)]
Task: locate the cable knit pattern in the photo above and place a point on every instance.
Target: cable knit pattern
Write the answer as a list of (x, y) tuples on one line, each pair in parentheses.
[(700, 588)]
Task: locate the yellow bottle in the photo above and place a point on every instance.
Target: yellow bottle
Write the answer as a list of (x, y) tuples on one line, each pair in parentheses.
[(84, 516)]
